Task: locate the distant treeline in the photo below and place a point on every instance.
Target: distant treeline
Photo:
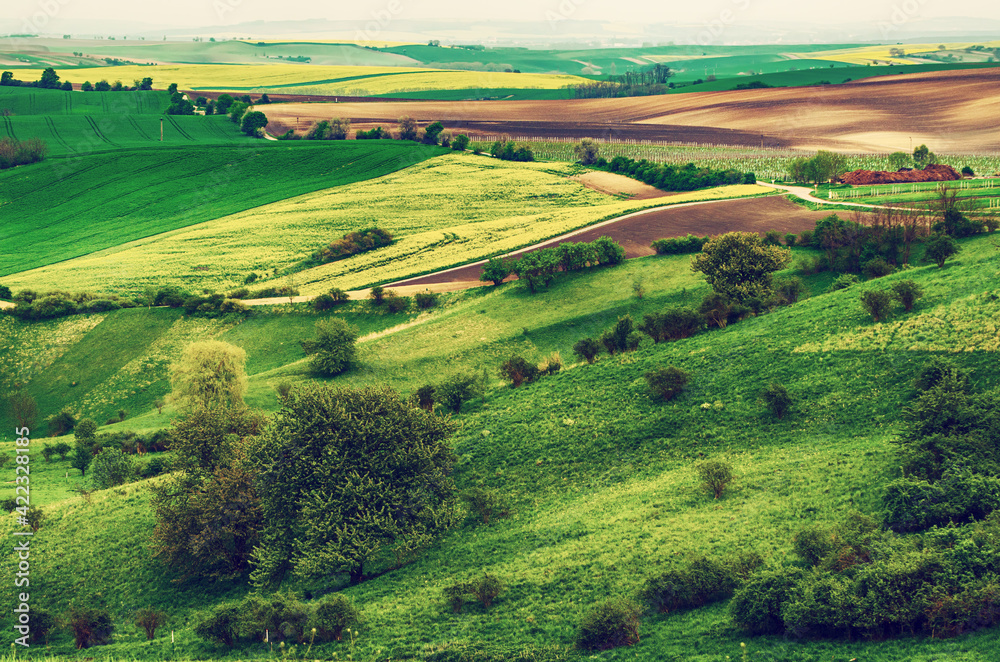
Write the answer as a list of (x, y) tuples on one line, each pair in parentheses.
[(671, 178), (631, 84)]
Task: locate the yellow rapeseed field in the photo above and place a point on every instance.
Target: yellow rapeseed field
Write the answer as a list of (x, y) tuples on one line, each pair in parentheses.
[(267, 76), (447, 211), (882, 54)]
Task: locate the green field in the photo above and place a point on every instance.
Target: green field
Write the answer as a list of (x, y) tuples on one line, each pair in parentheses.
[(169, 187), (600, 475), (976, 194), (33, 101)]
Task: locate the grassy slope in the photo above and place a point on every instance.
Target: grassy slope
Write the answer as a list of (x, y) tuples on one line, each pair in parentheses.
[(34, 101), (600, 474), (442, 212), (168, 188)]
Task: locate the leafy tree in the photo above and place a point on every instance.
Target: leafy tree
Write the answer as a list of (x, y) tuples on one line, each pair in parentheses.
[(7, 78), (715, 476), (339, 128), (923, 157), (62, 422), (87, 86), (102, 86), (66, 86), (23, 409), (111, 468), (236, 111), (431, 133), (518, 370), (777, 399), (347, 474), (939, 248), (223, 103), (91, 626), (49, 79), (209, 373), (537, 268), (172, 89), (460, 143), (207, 525), (878, 303), (458, 389), (667, 382), (150, 619), (496, 270), (907, 292), (738, 265), (333, 349), (253, 123), (586, 151), (407, 128), (587, 349), (82, 455), (332, 616), (146, 84), (264, 98), (899, 160)]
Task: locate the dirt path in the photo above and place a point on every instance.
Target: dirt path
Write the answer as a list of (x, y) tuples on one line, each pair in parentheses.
[(805, 193)]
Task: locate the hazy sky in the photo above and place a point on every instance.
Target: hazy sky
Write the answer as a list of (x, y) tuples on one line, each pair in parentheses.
[(183, 13)]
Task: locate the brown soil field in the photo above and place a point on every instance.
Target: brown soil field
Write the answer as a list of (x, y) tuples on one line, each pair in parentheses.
[(953, 111), (637, 232), (615, 184)]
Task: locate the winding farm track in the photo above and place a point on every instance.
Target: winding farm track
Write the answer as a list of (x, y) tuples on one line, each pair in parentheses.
[(955, 111)]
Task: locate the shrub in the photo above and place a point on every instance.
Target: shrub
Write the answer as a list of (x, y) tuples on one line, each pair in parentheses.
[(221, 624), (426, 300), (424, 397), (112, 467), (939, 248), (772, 238), (61, 423), (610, 624), (622, 336), (701, 582), (666, 383), (333, 349), (497, 269), (790, 239), (877, 303), (518, 370), (907, 292), (91, 626), (486, 504), (876, 268), (460, 142), (587, 349), (283, 389), (239, 293), (323, 303), (150, 619), (338, 295), (788, 290), (674, 324), (458, 389), (454, 596), (62, 448), (940, 370), (486, 589), (843, 281), (47, 452), (42, 623), (377, 295), (715, 476), (716, 309), (35, 516), (551, 364), (756, 606), (397, 304), (777, 399), (332, 616), (679, 245)]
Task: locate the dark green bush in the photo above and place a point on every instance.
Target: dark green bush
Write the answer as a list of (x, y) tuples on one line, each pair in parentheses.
[(424, 397), (61, 423), (776, 399), (323, 303), (877, 303), (90, 626), (940, 370), (772, 238), (518, 370), (610, 624), (666, 383), (907, 292), (756, 606), (332, 616), (426, 300), (486, 504), (876, 268), (459, 389), (715, 476), (338, 295), (397, 304), (220, 624), (939, 248), (788, 290), (551, 364), (112, 467), (842, 282), (790, 239), (587, 349), (42, 624), (486, 589), (679, 245), (62, 448), (378, 295), (716, 309), (149, 620)]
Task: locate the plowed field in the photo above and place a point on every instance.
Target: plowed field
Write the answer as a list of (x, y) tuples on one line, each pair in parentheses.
[(952, 111)]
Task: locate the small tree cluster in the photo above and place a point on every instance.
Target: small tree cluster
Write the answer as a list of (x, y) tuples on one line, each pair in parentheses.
[(879, 303), (622, 337), (674, 324), (610, 624), (509, 151), (679, 245), (485, 589), (688, 177), (332, 350), (699, 582), (353, 243), (538, 268)]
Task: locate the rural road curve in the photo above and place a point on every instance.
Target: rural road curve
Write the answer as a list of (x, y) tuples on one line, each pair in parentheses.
[(805, 193)]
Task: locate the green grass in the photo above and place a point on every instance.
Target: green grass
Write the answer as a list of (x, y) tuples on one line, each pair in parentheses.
[(492, 93), (978, 194), (600, 475), (35, 101), (131, 194)]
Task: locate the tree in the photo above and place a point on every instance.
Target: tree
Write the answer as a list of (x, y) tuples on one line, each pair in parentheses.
[(586, 151), (223, 103), (146, 84), (49, 79), (7, 78), (496, 270), (172, 89), (87, 87), (208, 525), (923, 157), (738, 265), (253, 123), (150, 619), (431, 133), (102, 86), (23, 409), (210, 373), (828, 166), (939, 248), (899, 160), (333, 349), (407, 128), (460, 142), (339, 128), (82, 456), (236, 111), (111, 468), (348, 474)]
